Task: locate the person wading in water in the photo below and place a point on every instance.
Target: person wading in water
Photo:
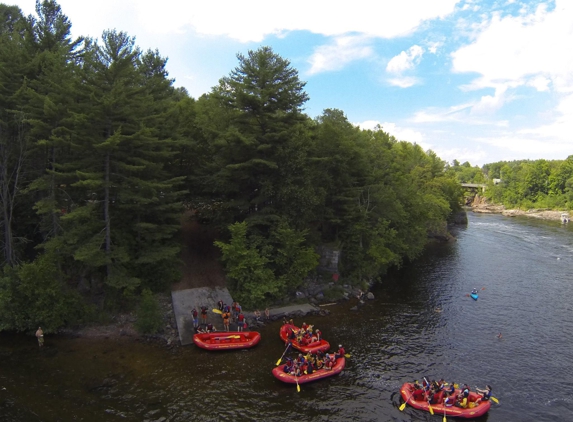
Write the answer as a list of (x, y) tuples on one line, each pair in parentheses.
[(40, 337)]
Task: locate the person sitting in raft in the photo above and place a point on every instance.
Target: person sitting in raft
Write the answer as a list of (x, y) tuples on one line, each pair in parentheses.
[(486, 394), (328, 364), (340, 353), (287, 368), (474, 291), (309, 368), (450, 391), (304, 326), (200, 330), (418, 393), (449, 401), (301, 359), (296, 370), (431, 398), (463, 397), (318, 334)]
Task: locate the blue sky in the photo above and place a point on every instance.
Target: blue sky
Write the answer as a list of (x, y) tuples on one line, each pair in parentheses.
[(472, 80)]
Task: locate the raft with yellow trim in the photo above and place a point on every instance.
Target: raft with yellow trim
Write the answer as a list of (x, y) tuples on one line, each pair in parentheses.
[(474, 410), (225, 340), (311, 347), (280, 374)]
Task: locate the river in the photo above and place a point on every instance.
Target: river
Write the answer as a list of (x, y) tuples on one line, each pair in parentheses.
[(420, 324)]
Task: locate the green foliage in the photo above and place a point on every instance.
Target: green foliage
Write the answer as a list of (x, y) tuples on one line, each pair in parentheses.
[(246, 262), (259, 270), (530, 184), (35, 295), (149, 318)]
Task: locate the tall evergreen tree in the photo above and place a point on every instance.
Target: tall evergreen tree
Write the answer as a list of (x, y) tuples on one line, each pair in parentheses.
[(14, 143), (263, 155), (129, 212)]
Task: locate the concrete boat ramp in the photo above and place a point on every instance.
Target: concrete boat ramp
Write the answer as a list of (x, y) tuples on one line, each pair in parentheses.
[(185, 300)]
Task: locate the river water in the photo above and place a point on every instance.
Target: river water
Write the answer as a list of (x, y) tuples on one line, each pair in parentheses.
[(420, 324)]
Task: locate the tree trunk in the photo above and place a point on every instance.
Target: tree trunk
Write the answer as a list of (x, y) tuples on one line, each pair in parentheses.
[(106, 215)]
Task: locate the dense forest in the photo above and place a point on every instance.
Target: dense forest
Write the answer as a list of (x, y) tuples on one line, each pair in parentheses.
[(524, 184), (101, 157)]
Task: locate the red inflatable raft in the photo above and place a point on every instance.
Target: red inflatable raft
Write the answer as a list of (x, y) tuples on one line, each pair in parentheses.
[(280, 374), (224, 340), (473, 411), (311, 347)]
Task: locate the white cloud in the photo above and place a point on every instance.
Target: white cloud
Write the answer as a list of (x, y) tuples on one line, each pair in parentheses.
[(433, 46), (530, 147), (404, 81), (406, 60), (336, 55), (513, 49), (474, 156), (561, 128), (489, 103), (253, 20), (400, 133)]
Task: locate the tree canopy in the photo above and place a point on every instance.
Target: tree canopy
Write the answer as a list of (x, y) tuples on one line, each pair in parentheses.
[(99, 152)]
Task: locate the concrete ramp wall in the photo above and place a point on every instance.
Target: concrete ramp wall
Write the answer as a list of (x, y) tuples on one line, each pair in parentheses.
[(185, 300)]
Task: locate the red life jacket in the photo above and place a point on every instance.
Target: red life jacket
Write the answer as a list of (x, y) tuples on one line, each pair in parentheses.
[(241, 317)]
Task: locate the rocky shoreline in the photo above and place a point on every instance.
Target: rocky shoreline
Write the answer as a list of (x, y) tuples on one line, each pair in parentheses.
[(319, 293), (123, 325), (543, 214)]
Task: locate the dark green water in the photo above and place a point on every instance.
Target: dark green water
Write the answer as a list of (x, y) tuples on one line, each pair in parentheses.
[(525, 265)]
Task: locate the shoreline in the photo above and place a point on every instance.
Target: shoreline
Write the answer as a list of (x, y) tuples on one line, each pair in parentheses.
[(542, 214)]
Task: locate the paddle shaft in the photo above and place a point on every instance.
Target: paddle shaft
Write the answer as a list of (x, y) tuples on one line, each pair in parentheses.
[(281, 358)]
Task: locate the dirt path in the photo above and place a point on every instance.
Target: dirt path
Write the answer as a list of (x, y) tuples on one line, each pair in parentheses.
[(201, 258)]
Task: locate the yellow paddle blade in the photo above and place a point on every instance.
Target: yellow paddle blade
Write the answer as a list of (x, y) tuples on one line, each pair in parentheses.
[(402, 406), (445, 420), (298, 388), (347, 355), (279, 361), (431, 410), (495, 400), (217, 311)]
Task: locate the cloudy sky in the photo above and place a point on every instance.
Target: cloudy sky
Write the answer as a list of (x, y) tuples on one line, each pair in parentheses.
[(473, 80)]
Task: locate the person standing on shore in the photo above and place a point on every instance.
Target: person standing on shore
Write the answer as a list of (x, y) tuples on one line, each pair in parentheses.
[(267, 314), (195, 318), (40, 337)]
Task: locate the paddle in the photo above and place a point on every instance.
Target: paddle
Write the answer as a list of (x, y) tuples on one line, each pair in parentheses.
[(217, 311), (219, 338), (429, 405), (403, 405), (297, 386), (445, 420), (347, 355), (281, 358)]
